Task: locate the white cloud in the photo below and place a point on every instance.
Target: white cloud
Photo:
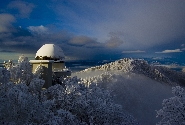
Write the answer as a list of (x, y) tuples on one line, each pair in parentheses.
[(24, 8), (183, 49), (38, 29), (137, 51), (170, 51), (6, 21)]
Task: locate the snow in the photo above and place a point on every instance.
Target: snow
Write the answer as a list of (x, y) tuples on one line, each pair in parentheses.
[(24, 101), (137, 86), (50, 50), (126, 91), (138, 66), (173, 111), (41, 61), (183, 70)]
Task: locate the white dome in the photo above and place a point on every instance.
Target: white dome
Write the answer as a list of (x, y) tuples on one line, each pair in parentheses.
[(50, 51)]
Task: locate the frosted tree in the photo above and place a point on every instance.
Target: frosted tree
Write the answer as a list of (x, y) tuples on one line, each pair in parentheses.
[(173, 111), (20, 103), (183, 70), (24, 101), (4, 76), (89, 104), (21, 72)]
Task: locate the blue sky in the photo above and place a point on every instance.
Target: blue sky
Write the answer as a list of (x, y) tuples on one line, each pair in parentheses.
[(93, 29)]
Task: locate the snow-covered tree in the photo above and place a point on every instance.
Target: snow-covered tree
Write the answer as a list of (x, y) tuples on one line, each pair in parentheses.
[(4, 76), (140, 66), (173, 111), (21, 72), (183, 70), (90, 105), (24, 101)]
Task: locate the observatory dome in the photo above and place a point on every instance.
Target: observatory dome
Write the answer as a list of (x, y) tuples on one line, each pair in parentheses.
[(50, 52)]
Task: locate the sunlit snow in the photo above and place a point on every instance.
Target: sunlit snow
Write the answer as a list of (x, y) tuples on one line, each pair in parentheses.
[(50, 50)]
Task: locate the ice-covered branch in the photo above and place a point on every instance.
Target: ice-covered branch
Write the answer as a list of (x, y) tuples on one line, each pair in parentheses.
[(173, 111)]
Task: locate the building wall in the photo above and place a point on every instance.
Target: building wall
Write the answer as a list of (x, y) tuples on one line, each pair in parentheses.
[(63, 74), (47, 73), (58, 66), (50, 67)]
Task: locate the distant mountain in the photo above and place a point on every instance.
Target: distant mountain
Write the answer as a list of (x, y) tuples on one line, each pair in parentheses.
[(140, 66)]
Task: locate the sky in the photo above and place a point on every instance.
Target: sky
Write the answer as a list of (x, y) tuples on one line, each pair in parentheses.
[(93, 29)]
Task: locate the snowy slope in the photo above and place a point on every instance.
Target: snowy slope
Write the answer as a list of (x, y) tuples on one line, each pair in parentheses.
[(139, 66), (139, 87)]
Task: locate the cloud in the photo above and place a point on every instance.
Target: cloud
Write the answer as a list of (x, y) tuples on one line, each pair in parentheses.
[(84, 41), (6, 21), (96, 29), (183, 49), (7, 51), (11, 43), (74, 46), (114, 40), (38, 29), (170, 51), (97, 33), (137, 51), (144, 24), (150, 26), (20, 44), (24, 8)]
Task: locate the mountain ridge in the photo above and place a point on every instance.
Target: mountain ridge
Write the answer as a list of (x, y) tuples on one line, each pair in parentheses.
[(141, 66)]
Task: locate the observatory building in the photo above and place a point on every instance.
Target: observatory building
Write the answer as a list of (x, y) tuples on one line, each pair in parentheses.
[(52, 59)]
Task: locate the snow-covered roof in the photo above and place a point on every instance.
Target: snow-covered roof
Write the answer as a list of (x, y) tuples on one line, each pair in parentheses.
[(50, 52)]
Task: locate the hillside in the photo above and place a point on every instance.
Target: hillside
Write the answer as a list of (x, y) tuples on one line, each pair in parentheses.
[(139, 87), (140, 66)]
